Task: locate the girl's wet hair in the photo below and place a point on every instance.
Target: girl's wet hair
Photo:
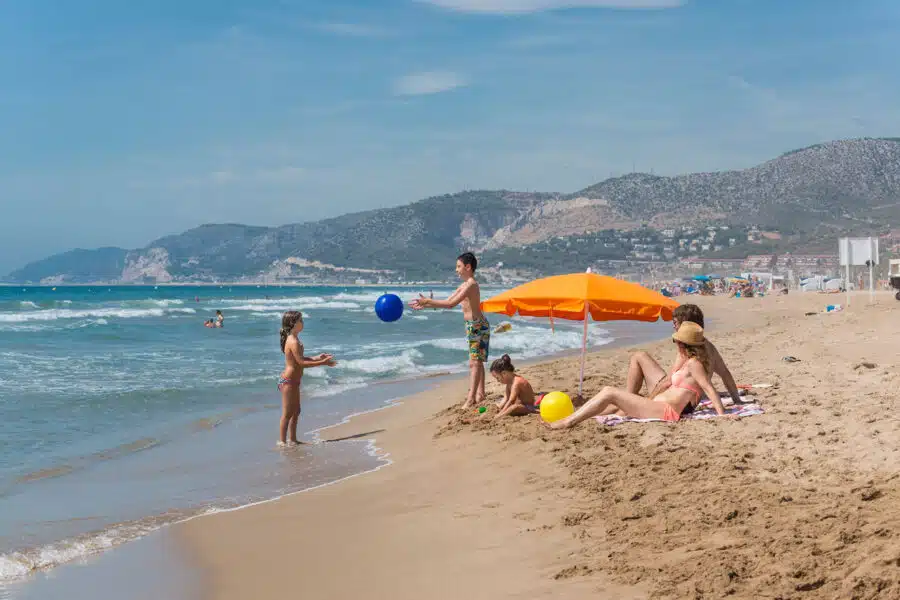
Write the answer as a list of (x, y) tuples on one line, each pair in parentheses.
[(288, 320), (502, 364)]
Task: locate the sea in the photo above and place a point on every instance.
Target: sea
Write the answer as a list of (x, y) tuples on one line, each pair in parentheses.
[(121, 413)]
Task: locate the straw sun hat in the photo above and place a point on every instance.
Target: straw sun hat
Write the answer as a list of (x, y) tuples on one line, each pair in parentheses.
[(689, 334)]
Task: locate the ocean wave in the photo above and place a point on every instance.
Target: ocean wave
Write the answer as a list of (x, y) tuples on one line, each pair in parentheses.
[(308, 300), (528, 341), (300, 304), (152, 302), (367, 297), (15, 566), (410, 362), (28, 304), (96, 313)]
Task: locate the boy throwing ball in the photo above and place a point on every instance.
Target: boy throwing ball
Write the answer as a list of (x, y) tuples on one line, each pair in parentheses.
[(478, 330)]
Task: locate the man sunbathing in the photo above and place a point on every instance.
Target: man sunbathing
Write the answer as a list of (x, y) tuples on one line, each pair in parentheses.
[(643, 369)]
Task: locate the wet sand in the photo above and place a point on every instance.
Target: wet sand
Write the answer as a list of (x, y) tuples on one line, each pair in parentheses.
[(800, 502)]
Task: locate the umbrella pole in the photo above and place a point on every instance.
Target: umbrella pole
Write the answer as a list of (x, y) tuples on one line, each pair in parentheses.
[(583, 351)]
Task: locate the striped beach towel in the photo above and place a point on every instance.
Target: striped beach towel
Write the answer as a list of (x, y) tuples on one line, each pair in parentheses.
[(704, 411)]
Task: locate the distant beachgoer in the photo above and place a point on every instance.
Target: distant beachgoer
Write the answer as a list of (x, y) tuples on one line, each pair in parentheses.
[(689, 383), (209, 323), (519, 397), (478, 330), (291, 377), (644, 369), (220, 319)]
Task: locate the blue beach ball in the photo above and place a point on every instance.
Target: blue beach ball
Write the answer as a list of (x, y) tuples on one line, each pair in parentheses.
[(389, 308)]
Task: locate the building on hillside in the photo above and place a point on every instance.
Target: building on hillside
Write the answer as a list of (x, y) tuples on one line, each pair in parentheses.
[(890, 241), (710, 265), (758, 262), (807, 264)]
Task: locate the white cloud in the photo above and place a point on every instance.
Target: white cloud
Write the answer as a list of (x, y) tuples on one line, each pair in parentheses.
[(740, 82), (428, 82), (280, 174), (527, 42), (360, 30), (530, 6), (274, 176)]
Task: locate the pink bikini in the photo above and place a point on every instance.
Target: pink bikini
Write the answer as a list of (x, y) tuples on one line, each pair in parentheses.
[(678, 381)]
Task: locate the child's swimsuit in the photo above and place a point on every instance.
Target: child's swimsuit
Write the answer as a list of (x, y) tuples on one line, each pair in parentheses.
[(283, 381), (478, 334)]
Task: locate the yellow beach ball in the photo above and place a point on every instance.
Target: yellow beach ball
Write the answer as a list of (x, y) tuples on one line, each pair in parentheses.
[(556, 406)]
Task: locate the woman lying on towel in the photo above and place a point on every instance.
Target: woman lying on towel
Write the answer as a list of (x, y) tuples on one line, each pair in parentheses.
[(688, 384)]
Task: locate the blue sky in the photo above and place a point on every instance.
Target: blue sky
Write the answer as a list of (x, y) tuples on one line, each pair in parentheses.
[(125, 121)]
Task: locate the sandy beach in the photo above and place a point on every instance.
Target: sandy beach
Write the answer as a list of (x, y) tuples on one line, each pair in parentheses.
[(798, 502)]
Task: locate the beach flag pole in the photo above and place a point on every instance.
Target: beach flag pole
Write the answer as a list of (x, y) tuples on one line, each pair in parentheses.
[(871, 289), (847, 280)]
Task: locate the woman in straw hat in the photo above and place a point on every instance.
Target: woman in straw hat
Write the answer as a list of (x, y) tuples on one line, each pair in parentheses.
[(688, 384)]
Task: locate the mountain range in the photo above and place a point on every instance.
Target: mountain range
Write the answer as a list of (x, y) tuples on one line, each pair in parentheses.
[(846, 185)]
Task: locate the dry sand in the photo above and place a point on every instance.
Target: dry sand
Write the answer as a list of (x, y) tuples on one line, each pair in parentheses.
[(800, 502)]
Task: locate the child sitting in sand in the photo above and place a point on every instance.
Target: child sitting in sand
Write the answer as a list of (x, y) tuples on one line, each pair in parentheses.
[(518, 399), (289, 382)]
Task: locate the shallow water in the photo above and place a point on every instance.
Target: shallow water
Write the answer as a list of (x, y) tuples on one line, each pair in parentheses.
[(120, 412)]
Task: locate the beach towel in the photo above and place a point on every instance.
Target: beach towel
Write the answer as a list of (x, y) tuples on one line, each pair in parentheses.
[(703, 411)]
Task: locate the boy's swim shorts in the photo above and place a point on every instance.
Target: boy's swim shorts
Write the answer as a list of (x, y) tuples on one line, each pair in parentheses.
[(478, 334)]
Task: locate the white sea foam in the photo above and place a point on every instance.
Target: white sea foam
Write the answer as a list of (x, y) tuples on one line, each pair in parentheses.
[(28, 304), (410, 362), (300, 304), (165, 303), (305, 300), (367, 297), (97, 313), (17, 565), (405, 361)]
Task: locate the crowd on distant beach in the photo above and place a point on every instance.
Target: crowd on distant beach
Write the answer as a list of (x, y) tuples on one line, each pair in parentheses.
[(733, 287)]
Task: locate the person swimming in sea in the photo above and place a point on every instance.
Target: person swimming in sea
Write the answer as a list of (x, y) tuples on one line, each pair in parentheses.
[(292, 375), (220, 319)]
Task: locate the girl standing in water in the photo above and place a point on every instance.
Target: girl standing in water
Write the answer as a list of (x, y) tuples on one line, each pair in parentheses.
[(289, 382)]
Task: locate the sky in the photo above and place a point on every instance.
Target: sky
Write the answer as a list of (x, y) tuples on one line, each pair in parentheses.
[(121, 122)]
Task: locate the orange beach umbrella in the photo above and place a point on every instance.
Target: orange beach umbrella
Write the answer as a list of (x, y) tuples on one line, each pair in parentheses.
[(574, 297)]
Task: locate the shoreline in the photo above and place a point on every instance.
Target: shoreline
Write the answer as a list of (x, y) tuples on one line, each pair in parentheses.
[(506, 509), (403, 384), (419, 406)]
